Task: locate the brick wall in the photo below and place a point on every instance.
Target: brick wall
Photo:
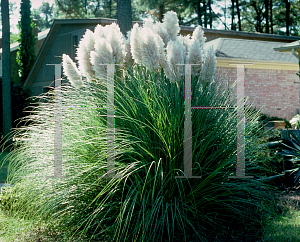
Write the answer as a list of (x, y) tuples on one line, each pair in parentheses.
[(272, 91)]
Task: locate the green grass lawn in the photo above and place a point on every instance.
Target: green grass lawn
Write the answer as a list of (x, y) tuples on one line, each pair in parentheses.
[(21, 230), (285, 228), (282, 229)]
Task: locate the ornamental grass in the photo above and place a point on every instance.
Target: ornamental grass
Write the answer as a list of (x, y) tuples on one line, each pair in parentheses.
[(144, 201)]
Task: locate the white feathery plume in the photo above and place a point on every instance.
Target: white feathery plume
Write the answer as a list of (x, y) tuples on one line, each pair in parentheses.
[(155, 46), (170, 23), (99, 69), (71, 71), (209, 67), (195, 50), (89, 39), (115, 38), (99, 31), (159, 29), (104, 49), (148, 23), (198, 35), (86, 45), (135, 44), (195, 56), (103, 54), (126, 41), (149, 49), (175, 55), (186, 41), (162, 58)]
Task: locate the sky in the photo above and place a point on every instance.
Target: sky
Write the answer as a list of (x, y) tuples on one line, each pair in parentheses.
[(37, 3)]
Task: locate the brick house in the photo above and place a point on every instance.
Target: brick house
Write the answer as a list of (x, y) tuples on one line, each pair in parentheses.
[(269, 81)]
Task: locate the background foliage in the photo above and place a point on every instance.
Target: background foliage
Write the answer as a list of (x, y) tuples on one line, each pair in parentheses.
[(26, 53), (245, 15)]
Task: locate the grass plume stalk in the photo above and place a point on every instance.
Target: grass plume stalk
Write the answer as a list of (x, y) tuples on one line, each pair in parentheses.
[(144, 201)]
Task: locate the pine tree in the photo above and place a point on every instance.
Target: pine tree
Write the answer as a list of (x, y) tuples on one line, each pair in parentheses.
[(26, 53), (48, 12), (6, 88), (124, 16)]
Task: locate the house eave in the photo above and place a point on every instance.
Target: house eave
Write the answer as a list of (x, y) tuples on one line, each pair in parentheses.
[(288, 49), (257, 64)]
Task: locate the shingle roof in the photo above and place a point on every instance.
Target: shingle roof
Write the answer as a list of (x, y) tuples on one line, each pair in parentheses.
[(249, 49)]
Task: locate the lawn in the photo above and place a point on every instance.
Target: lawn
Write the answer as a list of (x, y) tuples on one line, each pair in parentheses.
[(21, 230), (284, 228)]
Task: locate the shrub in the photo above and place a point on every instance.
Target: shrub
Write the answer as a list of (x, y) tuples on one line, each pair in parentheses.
[(265, 118), (144, 201)]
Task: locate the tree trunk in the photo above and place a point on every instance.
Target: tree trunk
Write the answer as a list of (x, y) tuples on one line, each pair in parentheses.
[(109, 8), (239, 14), (267, 15), (205, 14), (232, 15), (225, 13), (258, 17), (161, 12), (287, 17), (124, 18), (271, 15), (210, 14), (260, 26), (6, 70), (198, 10)]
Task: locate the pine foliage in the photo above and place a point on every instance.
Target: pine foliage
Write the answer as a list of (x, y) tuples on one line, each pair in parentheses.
[(26, 53)]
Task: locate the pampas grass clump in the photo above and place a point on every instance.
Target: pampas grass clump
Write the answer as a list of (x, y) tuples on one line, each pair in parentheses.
[(145, 200)]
